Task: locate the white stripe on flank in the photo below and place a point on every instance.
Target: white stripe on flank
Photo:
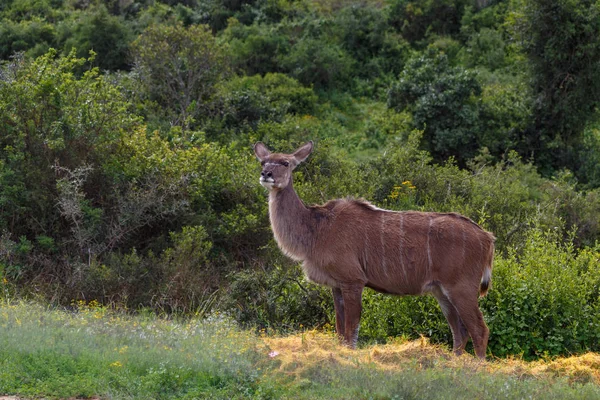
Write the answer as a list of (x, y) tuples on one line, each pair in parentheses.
[(464, 246), (366, 250), (400, 244), (429, 261), (381, 236), (481, 248)]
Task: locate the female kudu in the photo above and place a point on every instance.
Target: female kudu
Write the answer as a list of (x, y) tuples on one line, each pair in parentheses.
[(349, 244)]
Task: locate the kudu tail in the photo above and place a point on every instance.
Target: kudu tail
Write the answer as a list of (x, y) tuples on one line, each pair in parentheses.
[(486, 279)]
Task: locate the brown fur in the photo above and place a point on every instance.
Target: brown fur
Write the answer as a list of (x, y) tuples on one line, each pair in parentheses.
[(348, 244)]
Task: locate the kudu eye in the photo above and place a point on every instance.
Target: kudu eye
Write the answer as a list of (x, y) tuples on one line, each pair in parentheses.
[(285, 163)]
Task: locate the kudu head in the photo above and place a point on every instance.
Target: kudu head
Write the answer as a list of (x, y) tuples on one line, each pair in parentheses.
[(277, 168)]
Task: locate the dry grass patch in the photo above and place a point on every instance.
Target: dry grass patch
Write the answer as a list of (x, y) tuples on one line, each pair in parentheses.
[(581, 369), (298, 353)]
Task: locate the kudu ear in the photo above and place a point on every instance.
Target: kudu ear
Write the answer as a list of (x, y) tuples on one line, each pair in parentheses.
[(303, 152), (261, 151)]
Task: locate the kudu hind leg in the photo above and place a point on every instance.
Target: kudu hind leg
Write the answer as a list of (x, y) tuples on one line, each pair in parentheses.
[(352, 299), (468, 309), (460, 336), (338, 303)]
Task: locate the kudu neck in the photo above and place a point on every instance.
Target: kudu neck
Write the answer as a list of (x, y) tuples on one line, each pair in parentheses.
[(291, 221), (287, 196)]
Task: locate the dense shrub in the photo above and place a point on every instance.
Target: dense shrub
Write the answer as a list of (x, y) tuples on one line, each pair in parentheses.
[(365, 34), (53, 122), (256, 49), (443, 102), (179, 68), (545, 299), (415, 20), (246, 101), (560, 39), (32, 37), (96, 30), (318, 62), (109, 195), (278, 298)]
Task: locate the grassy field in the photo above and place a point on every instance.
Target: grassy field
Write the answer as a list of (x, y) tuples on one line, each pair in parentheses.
[(93, 352)]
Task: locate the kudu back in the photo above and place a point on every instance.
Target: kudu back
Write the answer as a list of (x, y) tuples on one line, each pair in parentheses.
[(348, 244)]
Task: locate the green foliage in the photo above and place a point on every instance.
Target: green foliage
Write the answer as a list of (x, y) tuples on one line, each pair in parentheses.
[(54, 123), (491, 15), (442, 101), (75, 157), (255, 49), (486, 48), (246, 101), (415, 20), (318, 62), (366, 35), (560, 40), (179, 68), (277, 298), (106, 35), (589, 156), (33, 37), (545, 299), (385, 317), (505, 114)]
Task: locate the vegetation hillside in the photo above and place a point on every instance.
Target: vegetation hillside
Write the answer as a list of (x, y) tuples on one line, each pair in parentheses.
[(127, 175)]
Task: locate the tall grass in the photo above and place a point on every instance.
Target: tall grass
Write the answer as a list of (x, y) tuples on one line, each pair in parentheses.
[(91, 351)]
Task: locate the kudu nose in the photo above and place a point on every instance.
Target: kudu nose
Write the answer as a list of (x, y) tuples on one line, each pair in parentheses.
[(266, 174)]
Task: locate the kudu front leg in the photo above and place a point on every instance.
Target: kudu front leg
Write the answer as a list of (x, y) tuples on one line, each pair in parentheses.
[(352, 300), (338, 303)]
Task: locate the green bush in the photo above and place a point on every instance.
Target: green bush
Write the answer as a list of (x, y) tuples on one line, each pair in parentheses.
[(110, 193), (98, 31), (443, 101), (589, 158), (179, 69), (277, 298), (563, 77), (320, 63), (544, 299), (33, 37), (55, 124), (246, 101), (415, 20), (486, 48), (385, 317), (365, 34), (255, 49)]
